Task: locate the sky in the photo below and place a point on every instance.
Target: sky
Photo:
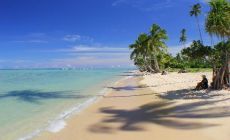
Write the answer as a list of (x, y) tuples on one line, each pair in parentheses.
[(88, 33)]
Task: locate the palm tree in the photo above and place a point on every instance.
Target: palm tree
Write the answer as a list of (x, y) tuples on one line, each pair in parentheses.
[(139, 50), (218, 19), (196, 11), (218, 23), (156, 42), (147, 48), (183, 37)]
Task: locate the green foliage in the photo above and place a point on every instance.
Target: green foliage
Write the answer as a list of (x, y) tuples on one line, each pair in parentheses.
[(197, 51), (164, 60), (200, 56), (218, 20), (148, 47), (220, 53), (149, 51), (196, 10), (183, 37)]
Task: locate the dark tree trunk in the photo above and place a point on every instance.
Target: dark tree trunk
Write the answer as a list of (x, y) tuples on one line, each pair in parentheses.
[(221, 78)]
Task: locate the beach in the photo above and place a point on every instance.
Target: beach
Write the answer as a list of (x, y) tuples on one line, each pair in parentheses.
[(115, 70), (152, 107)]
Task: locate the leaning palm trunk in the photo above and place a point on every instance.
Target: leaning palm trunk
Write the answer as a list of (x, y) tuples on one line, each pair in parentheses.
[(147, 66), (156, 65), (154, 61), (151, 69)]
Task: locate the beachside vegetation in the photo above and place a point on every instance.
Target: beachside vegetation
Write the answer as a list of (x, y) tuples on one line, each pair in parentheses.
[(149, 48), (149, 52), (183, 37)]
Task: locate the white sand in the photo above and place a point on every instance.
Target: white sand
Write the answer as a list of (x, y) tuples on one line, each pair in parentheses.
[(209, 108), (170, 111)]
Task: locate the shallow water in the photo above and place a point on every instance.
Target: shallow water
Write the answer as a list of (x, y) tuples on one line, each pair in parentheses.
[(31, 100)]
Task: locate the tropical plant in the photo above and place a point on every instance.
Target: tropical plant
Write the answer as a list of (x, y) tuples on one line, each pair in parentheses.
[(157, 39), (218, 23), (197, 50), (196, 11), (197, 55), (147, 48), (183, 37), (139, 52), (220, 51), (218, 19)]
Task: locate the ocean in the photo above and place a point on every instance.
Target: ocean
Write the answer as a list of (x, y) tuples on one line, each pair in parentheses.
[(32, 101)]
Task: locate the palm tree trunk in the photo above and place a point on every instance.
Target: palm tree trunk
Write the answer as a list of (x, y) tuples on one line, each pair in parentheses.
[(145, 63), (198, 24), (156, 64)]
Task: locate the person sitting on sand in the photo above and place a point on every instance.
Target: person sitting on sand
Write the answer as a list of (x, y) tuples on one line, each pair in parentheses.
[(164, 73), (203, 84)]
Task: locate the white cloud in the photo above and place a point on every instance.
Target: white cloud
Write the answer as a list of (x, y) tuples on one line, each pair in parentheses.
[(95, 55), (121, 59), (95, 49), (76, 37), (72, 38)]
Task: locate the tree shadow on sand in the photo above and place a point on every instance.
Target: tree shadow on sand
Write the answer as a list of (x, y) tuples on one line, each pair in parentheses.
[(36, 96), (165, 113), (188, 94), (130, 73), (128, 88), (135, 75)]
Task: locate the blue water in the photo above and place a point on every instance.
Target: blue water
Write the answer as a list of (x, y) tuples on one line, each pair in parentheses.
[(31, 99)]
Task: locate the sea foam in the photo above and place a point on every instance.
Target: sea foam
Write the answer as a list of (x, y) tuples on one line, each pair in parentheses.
[(59, 123)]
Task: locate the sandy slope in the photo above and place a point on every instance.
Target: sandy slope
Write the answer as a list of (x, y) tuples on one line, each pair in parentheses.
[(134, 112)]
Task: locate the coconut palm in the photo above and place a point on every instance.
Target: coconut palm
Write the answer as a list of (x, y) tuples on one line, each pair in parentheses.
[(218, 19), (137, 47), (183, 37), (139, 50), (196, 11), (147, 47), (156, 41), (218, 23)]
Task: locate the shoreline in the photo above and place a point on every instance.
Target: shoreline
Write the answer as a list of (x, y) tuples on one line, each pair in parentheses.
[(61, 120), (98, 99), (134, 111)]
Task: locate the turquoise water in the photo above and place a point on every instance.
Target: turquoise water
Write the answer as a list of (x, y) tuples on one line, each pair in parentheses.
[(31, 100)]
